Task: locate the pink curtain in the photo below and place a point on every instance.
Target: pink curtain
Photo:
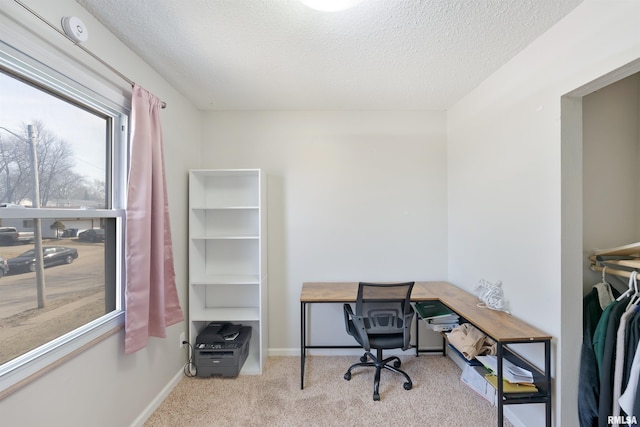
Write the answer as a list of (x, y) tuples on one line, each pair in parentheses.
[(151, 298)]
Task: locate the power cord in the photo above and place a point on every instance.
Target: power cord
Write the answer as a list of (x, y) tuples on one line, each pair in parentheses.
[(189, 368)]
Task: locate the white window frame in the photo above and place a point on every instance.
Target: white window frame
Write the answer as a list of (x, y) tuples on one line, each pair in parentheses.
[(23, 369)]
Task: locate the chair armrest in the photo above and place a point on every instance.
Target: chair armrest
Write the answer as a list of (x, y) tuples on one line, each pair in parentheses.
[(408, 320), (355, 324), (348, 314)]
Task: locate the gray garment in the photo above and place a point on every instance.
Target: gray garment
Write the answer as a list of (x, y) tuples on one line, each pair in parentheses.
[(620, 356)]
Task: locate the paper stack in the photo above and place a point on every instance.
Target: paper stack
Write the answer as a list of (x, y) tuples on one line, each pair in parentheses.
[(508, 387), (437, 316), (510, 372)]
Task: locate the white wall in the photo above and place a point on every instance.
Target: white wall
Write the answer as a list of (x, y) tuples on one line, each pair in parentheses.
[(351, 196), (102, 386), (514, 199), (611, 186)]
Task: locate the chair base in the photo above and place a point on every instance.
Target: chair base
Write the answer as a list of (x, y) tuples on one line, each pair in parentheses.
[(379, 363)]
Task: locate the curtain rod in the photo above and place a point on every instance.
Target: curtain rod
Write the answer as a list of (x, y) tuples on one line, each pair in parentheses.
[(87, 51)]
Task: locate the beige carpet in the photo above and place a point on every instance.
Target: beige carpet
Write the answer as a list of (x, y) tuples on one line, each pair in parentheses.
[(274, 398)]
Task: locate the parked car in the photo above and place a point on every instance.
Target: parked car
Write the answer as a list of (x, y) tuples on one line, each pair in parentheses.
[(92, 235), (11, 236), (53, 255), (69, 232), (4, 267)]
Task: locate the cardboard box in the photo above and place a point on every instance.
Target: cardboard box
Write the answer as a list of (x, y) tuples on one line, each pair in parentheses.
[(473, 376)]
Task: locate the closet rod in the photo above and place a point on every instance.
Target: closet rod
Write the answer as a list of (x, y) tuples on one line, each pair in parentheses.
[(614, 271), (87, 51), (626, 250)]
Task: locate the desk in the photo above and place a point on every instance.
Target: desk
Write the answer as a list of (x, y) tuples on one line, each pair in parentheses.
[(502, 327)]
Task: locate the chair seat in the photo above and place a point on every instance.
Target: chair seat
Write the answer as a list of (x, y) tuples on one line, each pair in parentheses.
[(386, 341), (383, 341)]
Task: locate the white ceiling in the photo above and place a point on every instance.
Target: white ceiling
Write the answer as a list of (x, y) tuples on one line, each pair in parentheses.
[(279, 54)]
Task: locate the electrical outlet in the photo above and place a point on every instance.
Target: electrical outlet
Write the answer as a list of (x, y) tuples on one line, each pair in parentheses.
[(181, 340)]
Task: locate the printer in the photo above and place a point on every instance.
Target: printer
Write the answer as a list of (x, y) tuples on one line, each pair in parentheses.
[(221, 349)]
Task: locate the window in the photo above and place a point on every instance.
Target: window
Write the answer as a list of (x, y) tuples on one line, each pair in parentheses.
[(63, 157)]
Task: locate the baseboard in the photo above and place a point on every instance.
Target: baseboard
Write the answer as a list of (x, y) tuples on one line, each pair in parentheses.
[(283, 352), (343, 351), (333, 352), (155, 403)]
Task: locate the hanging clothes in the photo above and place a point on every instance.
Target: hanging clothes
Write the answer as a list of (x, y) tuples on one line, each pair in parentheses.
[(589, 382), (605, 294), (615, 344), (631, 339), (620, 357), (600, 297), (628, 398), (630, 394), (600, 335), (607, 370)]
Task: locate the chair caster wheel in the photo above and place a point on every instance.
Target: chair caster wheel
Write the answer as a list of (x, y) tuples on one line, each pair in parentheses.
[(407, 386), (347, 376), (396, 364), (363, 359), (376, 397)]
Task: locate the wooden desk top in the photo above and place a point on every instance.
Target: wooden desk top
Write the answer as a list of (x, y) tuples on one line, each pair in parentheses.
[(498, 325)]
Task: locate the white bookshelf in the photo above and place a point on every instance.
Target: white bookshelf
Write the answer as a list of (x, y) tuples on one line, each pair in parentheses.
[(227, 255)]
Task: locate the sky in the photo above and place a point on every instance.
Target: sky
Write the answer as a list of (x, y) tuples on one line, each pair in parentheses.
[(22, 104)]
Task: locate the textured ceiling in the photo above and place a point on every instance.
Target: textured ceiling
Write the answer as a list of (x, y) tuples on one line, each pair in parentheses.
[(279, 54)]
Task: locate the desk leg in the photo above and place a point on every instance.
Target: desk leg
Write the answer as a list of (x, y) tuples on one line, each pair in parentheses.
[(547, 366), (303, 341), (417, 336), (500, 390)]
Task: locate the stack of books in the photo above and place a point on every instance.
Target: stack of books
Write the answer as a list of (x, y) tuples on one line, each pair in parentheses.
[(437, 316)]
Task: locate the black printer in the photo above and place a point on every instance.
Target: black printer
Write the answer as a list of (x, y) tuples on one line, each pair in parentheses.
[(221, 349)]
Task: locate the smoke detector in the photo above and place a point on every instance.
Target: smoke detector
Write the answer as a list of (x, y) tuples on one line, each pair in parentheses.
[(75, 29)]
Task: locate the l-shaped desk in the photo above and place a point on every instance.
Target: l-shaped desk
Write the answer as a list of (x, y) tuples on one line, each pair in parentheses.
[(502, 327)]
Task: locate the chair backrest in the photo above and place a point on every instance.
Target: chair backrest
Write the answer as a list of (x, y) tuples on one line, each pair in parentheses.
[(385, 307)]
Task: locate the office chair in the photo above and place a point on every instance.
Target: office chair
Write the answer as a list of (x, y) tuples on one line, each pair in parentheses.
[(382, 321)]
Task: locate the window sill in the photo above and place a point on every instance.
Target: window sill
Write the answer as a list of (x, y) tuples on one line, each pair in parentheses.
[(30, 366)]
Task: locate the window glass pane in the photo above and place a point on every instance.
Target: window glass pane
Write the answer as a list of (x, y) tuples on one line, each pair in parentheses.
[(72, 149), (73, 163), (74, 283)]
